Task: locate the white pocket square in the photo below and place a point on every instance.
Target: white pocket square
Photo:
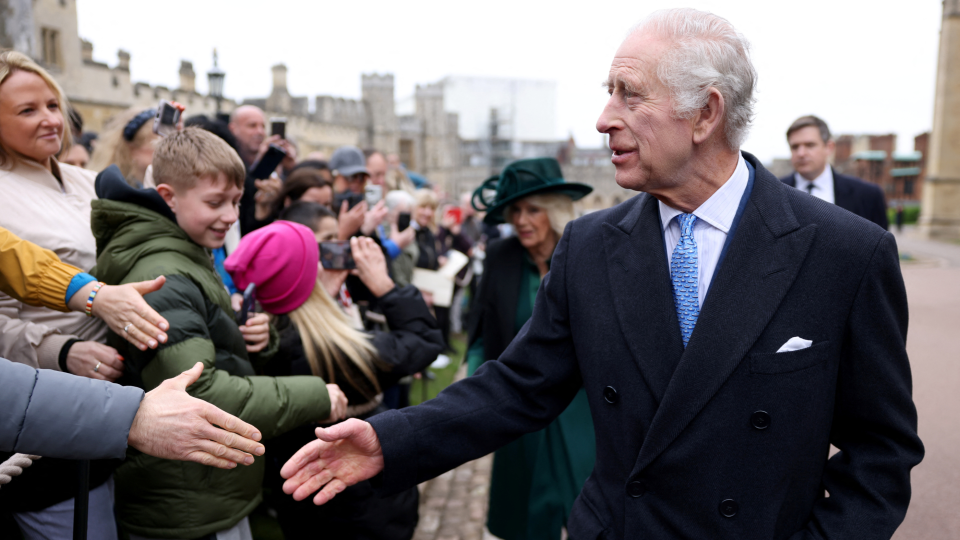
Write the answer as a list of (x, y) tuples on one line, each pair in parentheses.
[(795, 344)]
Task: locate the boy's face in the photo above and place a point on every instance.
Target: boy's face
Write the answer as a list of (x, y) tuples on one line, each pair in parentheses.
[(207, 210)]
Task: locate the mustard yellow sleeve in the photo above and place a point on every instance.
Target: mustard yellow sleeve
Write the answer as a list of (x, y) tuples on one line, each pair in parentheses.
[(33, 275)]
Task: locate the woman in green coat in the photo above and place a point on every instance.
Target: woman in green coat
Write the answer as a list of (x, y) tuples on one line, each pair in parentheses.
[(537, 477)]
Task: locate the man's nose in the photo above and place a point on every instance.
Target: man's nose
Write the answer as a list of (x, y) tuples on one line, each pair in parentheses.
[(609, 119)]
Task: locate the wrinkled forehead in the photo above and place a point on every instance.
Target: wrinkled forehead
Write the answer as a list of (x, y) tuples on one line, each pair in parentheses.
[(637, 58)]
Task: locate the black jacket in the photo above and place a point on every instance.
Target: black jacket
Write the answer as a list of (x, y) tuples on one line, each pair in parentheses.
[(412, 343), (723, 439), (851, 193), (493, 314)]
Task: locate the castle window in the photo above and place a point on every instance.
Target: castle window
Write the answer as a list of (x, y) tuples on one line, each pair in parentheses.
[(51, 47)]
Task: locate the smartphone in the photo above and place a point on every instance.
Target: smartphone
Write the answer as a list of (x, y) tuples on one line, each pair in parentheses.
[(268, 163), (373, 194), (167, 119), (278, 126), (403, 221), (337, 255), (247, 306), (352, 199)]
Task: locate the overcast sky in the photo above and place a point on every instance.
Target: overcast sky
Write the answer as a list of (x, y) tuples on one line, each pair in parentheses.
[(864, 66)]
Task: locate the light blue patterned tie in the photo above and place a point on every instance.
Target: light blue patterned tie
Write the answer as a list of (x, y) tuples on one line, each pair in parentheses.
[(685, 277)]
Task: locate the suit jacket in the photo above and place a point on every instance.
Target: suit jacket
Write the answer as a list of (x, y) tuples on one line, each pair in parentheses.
[(726, 438), (851, 193)]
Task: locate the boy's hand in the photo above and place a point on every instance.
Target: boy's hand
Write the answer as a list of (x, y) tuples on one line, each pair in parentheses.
[(256, 332)]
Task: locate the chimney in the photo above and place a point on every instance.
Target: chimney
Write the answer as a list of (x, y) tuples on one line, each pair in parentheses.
[(187, 77), (279, 76), (123, 60), (86, 50)]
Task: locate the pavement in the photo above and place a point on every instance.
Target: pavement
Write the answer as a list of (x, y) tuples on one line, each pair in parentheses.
[(454, 505), (932, 280)]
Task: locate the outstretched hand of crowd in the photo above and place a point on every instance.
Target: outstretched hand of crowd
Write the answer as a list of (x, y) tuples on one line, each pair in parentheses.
[(341, 456)]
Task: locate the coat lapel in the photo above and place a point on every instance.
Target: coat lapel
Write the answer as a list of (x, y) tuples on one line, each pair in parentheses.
[(642, 292), (765, 255)]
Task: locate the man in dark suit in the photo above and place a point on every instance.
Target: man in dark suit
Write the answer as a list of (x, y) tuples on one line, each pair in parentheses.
[(727, 330), (811, 145)]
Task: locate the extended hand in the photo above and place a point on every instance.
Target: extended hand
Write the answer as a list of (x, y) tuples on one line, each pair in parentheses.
[(123, 307), (343, 455), (171, 424)]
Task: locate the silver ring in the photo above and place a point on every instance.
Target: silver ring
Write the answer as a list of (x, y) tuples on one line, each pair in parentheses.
[(127, 327), (97, 369)]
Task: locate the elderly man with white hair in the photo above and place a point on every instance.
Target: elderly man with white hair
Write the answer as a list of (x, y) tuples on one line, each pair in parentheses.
[(712, 419)]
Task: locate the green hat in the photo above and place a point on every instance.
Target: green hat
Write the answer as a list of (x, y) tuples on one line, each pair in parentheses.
[(521, 179)]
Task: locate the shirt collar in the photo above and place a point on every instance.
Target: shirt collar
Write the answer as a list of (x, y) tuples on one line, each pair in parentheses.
[(824, 180), (721, 208)]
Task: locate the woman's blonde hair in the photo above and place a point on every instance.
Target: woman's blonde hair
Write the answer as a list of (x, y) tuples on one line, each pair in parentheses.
[(330, 342), (113, 149), (559, 209), (12, 62)]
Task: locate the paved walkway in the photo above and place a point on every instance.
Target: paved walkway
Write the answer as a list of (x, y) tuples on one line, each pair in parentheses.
[(933, 343), (453, 506)]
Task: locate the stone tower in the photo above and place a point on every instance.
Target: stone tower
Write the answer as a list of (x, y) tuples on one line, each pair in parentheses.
[(17, 27), (279, 100), (940, 214), (382, 126)]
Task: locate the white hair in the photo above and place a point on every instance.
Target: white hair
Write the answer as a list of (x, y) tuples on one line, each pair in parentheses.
[(706, 52), (559, 209), (397, 198)]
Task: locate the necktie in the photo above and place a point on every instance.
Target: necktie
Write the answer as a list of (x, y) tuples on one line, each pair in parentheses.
[(810, 187), (685, 277)]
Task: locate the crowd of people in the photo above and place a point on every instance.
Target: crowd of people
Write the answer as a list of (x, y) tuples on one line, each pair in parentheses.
[(170, 302), (184, 220)]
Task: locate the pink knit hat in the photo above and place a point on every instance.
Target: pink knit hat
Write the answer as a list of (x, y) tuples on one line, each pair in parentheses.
[(282, 259)]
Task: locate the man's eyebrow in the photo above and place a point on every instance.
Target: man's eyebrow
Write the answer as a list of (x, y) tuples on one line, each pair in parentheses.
[(613, 82)]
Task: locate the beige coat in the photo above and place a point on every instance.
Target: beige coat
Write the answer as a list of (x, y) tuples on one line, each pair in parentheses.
[(54, 215)]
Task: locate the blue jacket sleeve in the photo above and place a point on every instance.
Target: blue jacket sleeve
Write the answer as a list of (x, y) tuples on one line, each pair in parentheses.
[(55, 414)]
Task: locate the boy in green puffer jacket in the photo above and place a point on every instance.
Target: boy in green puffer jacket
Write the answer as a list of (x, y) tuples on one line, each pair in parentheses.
[(142, 234)]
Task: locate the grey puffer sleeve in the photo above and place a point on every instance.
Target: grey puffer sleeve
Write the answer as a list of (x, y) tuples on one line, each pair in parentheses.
[(55, 414)]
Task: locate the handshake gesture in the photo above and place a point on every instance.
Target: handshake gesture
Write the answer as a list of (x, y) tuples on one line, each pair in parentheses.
[(341, 456)]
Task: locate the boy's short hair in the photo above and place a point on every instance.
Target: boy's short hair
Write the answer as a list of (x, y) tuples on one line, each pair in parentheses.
[(184, 157)]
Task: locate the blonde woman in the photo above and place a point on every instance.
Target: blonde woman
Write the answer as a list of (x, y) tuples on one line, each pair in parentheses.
[(536, 478), (48, 203), (317, 338)]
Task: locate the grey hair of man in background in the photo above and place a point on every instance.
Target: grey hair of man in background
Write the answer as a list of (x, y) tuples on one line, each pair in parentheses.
[(707, 53)]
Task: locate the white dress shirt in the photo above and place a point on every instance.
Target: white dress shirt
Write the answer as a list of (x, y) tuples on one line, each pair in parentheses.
[(714, 219), (822, 185)]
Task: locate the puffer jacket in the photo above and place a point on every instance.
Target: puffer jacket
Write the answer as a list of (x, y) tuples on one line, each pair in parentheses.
[(138, 239)]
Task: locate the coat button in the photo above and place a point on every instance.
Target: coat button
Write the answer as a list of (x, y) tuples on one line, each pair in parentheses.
[(636, 489), (760, 420), (610, 395), (728, 508)]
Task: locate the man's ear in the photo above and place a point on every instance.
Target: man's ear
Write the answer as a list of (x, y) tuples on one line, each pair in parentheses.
[(710, 118), (169, 196)]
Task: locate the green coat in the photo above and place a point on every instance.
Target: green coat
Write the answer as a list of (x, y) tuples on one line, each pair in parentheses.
[(536, 478), (174, 499)]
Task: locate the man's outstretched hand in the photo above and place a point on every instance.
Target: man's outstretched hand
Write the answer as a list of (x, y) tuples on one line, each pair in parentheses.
[(171, 424), (343, 455)]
